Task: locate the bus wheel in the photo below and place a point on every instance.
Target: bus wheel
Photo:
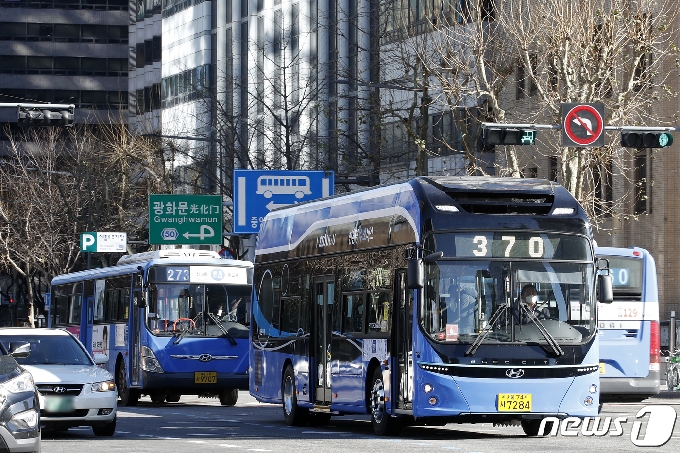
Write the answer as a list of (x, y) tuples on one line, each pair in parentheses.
[(229, 397), (173, 397), (158, 398), (383, 423), (531, 427), (128, 396), (292, 414), (319, 418)]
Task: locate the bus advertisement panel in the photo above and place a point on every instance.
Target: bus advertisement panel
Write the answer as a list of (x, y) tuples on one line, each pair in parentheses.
[(168, 323), (630, 343), (438, 299)]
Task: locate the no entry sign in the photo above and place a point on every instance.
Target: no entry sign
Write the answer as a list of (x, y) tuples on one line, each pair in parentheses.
[(582, 124)]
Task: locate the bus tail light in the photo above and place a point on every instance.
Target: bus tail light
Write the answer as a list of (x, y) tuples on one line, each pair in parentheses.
[(654, 346)]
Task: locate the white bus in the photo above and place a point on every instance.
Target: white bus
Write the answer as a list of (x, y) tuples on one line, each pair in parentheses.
[(283, 185)]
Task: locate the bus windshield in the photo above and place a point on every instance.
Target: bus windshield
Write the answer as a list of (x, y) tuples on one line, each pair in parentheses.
[(462, 298), (199, 310)]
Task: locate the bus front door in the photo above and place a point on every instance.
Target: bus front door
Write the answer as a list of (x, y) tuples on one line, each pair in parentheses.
[(324, 297), (402, 331)]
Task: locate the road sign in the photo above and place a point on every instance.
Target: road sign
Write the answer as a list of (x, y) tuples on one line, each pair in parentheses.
[(582, 124), (256, 192), (185, 219), (103, 242)]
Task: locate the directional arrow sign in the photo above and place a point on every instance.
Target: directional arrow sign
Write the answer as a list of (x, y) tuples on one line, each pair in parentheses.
[(185, 219), (257, 192)]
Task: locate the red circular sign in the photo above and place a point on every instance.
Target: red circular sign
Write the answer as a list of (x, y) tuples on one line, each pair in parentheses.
[(583, 125)]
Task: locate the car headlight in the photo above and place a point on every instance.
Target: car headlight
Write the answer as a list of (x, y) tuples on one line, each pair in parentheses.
[(104, 386), (21, 383), (25, 419)]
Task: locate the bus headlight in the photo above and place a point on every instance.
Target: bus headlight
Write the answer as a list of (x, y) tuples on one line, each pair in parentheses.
[(149, 361)]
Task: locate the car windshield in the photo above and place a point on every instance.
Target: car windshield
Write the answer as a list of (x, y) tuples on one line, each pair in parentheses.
[(50, 350), (199, 310)]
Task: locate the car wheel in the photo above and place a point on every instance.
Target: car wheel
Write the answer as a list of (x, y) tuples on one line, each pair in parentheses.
[(172, 398), (128, 396), (229, 397), (292, 413), (105, 430)]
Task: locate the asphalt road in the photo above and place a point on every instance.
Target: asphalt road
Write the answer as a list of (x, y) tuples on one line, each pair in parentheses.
[(203, 425)]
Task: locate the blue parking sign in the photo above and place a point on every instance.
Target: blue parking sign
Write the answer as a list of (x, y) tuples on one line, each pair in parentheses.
[(256, 192)]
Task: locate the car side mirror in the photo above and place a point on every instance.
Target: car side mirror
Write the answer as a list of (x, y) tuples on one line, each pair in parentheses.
[(19, 349)]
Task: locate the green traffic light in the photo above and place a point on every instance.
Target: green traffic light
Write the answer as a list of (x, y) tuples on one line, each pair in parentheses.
[(665, 139)]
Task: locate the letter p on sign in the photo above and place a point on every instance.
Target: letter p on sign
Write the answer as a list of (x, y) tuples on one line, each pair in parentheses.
[(88, 242)]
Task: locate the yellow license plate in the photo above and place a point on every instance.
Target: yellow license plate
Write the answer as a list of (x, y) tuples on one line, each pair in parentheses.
[(601, 368), (514, 402), (205, 377)]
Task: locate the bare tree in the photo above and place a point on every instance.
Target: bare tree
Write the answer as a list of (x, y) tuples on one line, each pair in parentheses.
[(613, 52), (58, 183)]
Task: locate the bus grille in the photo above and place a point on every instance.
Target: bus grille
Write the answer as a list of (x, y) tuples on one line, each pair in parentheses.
[(504, 203)]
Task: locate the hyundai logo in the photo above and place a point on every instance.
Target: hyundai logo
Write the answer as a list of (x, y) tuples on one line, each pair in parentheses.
[(59, 389), (514, 373), (205, 357)]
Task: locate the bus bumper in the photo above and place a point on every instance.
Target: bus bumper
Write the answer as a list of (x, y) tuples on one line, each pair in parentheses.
[(630, 388), (185, 383)]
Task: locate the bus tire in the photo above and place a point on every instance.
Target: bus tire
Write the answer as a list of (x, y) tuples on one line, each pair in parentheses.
[(128, 396), (531, 427), (229, 397), (292, 413), (173, 397), (157, 398), (383, 423)]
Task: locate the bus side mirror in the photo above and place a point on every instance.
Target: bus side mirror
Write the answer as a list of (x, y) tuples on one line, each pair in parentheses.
[(605, 289), (140, 299), (416, 275)]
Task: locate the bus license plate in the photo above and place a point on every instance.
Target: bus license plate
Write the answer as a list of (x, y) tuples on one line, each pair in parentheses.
[(205, 377), (514, 402), (59, 404), (601, 367)]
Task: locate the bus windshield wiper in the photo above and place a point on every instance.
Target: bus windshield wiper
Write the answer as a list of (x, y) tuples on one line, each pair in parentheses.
[(489, 327), (183, 333), (222, 328), (541, 328)]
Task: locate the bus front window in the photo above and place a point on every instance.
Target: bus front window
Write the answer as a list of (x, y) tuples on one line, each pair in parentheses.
[(461, 299), (198, 310)]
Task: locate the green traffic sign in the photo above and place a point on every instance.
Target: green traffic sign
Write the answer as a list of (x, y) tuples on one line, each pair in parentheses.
[(185, 219)]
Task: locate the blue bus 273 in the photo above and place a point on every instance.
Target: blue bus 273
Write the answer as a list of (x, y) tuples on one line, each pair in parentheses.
[(170, 322), (441, 299)]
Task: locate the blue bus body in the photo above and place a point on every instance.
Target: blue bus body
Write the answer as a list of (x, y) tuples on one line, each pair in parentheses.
[(401, 301), (168, 322), (629, 327)]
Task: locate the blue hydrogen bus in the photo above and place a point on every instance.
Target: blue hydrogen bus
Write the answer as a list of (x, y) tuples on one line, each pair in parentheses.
[(629, 327), (440, 299), (165, 323)]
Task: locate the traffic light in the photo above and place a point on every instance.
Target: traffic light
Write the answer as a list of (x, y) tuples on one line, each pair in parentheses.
[(646, 139), (509, 136), (45, 115)]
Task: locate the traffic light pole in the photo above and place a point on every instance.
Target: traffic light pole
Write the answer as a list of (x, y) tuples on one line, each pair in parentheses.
[(32, 114)]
